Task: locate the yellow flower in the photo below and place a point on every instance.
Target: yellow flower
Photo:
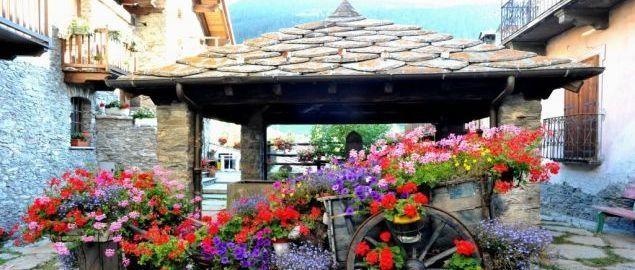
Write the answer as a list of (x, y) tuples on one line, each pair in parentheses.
[(468, 167), (473, 160)]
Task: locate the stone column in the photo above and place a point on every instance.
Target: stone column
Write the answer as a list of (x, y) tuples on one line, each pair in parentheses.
[(252, 146), (175, 140), (520, 205)]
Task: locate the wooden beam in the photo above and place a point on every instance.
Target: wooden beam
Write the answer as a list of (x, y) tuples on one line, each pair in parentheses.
[(202, 8), (598, 18)]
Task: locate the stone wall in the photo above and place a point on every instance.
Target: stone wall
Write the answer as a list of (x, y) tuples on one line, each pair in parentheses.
[(520, 205), (35, 128), (175, 140), (119, 141), (565, 202)]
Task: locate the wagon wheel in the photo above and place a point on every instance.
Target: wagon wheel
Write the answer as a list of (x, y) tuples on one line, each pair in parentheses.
[(433, 246)]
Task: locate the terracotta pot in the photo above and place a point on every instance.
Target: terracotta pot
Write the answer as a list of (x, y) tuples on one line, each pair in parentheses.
[(75, 142)]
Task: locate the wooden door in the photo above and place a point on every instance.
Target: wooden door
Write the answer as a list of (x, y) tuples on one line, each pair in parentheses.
[(581, 118)]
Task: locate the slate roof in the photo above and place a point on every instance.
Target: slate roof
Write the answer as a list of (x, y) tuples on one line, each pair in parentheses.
[(346, 43)]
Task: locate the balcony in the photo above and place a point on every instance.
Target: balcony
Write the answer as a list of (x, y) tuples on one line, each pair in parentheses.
[(529, 24), (95, 57), (24, 28), (573, 138)]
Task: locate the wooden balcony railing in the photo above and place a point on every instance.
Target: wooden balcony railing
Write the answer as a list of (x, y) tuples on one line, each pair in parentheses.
[(31, 15), (97, 56), (24, 28)]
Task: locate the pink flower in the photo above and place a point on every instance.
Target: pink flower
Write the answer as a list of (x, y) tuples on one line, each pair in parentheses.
[(137, 199), (125, 262), (179, 196), (123, 203), (115, 226), (99, 225), (33, 225), (117, 238), (87, 239), (110, 252), (133, 214), (123, 219), (100, 217), (72, 226), (197, 199), (61, 248)]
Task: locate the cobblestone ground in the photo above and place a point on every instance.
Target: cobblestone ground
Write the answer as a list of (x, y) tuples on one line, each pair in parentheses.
[(579, 249), (573, 249)]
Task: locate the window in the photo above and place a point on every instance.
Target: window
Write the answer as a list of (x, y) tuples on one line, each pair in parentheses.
[(80, 116), (228, 162), (576, 135)]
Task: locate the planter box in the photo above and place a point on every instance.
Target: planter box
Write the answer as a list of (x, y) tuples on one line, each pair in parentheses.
[(145, 122), (117, 111), (79, 143)]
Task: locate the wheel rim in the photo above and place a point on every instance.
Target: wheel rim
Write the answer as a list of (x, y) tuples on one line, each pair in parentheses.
[(433, 248)]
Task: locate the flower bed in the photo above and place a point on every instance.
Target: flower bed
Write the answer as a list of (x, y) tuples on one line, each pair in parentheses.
[(155, 225)]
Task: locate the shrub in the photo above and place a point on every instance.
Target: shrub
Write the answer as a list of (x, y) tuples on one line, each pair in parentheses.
[(512, 246), (143, 113)]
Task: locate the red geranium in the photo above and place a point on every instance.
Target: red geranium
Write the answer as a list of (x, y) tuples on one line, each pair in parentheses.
[(385, 259), (385, 236), (465, 248), (410, 210), (372, 257), (500, 168), (502, 187), (420, 198), (375, 207), (388, 201), (362, 249), (409, 188)]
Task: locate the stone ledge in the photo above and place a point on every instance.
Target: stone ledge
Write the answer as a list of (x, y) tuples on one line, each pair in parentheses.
[(113, 117)]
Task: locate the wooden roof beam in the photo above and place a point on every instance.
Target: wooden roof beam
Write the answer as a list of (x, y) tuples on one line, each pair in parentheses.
[(202, 8)]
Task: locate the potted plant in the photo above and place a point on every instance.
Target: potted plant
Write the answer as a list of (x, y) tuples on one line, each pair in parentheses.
[(102, 107), (306, 154), (282, 144), (222, 140), (79, 139), (118, 108), (144, 117), (405, 214)]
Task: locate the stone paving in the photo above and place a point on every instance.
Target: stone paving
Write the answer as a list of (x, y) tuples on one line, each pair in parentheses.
[(576, 248), (573, 249)]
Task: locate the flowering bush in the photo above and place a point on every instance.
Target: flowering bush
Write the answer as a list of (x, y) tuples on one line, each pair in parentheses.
[(302, 257), (282, 144), (83, 206), (383, 256), (306, 154), (5, 235), (463, 258), (512, 246)]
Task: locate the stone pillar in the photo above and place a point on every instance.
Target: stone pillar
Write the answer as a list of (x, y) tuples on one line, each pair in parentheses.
[(252, 147), (175, 141), (521, 205)]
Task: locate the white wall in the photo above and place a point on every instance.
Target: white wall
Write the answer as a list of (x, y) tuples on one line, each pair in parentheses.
[(616, 47)]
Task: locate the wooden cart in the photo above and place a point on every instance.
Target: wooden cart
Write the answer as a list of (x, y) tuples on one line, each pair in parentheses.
[(456, 208)]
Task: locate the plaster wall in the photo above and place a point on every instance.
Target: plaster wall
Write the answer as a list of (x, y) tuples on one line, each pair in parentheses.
[(616, 94)]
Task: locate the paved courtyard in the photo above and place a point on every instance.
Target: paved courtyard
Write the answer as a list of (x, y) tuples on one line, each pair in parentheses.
[(573, 248)]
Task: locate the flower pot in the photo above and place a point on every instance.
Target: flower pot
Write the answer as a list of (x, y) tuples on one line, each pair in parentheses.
[(407, 229), (281, 247), (92, 256), (79, 143), (118, 112), (145, 122)]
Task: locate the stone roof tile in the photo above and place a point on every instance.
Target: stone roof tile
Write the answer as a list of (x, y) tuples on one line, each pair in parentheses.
[(314, 40), (347, 44), (280, 36), (346, 57), (277, 61), (294, 31), (408, 69), (394, 27), (403, 44), (246, 68), (441, 63), (365, 23), (373, 38), (491, 56), (528, 63), (253, 55), (287, 47), (309, 67), (210, 63), (375, 65), (315, 52)]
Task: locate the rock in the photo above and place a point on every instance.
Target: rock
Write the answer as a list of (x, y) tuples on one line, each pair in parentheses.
[(570, 265), (587, 240), (27, 262), (620, 241), (625, 253), (7, 256), (621, 266), (573, 252)]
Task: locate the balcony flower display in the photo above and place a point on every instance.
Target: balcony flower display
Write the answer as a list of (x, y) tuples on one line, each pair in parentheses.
[(118, 108), (282, 144), (306, 154)]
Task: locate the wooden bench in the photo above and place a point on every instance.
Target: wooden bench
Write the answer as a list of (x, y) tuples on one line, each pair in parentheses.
[(629, 193)]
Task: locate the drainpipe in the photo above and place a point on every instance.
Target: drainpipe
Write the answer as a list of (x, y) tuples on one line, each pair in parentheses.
[(495, 105), (197, 176)]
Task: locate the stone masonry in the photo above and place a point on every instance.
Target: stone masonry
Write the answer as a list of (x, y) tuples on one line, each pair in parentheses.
[(35, 129), (175, 140), (520, 205), (118, 140)]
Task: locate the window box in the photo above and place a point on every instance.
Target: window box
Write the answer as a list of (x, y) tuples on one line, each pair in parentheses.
[(118, 112), (145, 122), (79, 143)]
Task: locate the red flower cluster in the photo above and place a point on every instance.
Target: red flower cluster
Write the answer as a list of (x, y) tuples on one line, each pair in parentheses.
[(465, 248), (382, 256), (502, 186)]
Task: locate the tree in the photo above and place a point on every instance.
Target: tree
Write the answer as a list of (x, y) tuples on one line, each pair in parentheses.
[(330, 139)]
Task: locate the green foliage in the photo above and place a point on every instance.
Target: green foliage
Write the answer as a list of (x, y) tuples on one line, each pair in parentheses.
[(460, 262), (330, 139), (279, 175), (114, 104), (78, 136), (142, 113)]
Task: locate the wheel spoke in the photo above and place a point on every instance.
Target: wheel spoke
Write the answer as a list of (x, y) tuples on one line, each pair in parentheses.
[(439, 256), (371, 240), (433, 239)]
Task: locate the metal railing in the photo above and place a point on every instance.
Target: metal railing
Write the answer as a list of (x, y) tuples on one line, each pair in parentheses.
[(573, 138), (97, 52), (517, 13), (30, 15)]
